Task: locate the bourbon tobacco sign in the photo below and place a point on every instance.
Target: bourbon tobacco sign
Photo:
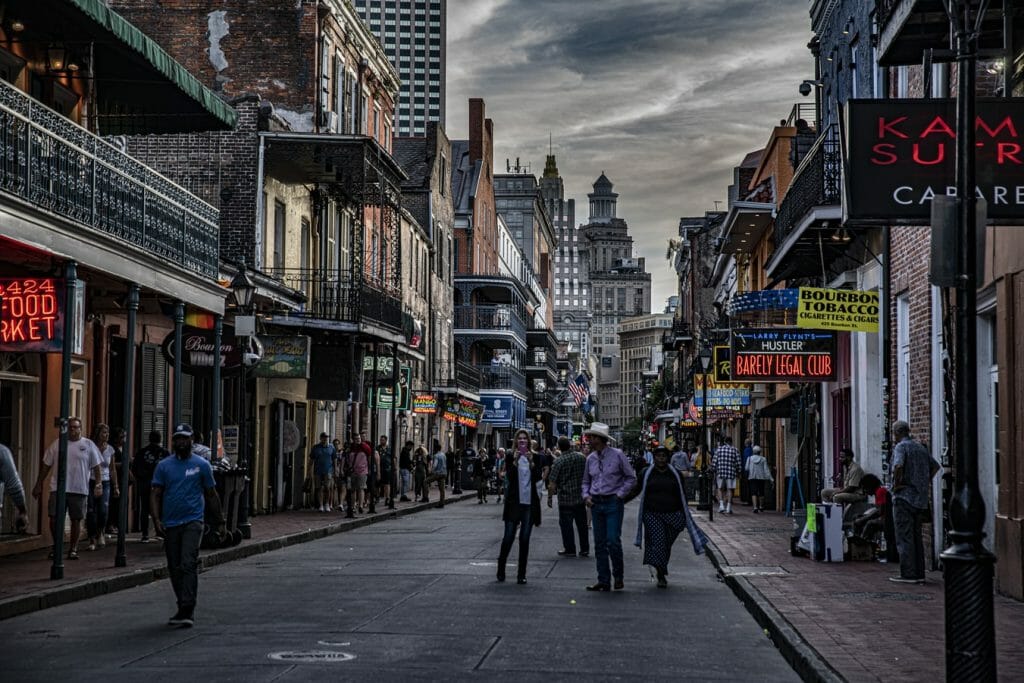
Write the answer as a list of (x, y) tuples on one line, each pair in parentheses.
[(781, 354), (902, 153)]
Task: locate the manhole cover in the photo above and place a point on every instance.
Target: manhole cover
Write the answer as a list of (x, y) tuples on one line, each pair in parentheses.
[(755, 571), (311, 656), (882, 595)]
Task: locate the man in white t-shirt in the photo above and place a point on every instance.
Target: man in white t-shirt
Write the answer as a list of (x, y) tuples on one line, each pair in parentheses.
[(83, 463)]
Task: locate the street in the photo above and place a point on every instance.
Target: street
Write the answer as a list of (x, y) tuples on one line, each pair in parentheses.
[(408, 599)]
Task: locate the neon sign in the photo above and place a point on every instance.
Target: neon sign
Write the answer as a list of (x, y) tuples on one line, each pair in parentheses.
[(783, 355), (31, 314)]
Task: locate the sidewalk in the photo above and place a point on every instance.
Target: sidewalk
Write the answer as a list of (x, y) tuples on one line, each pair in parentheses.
[(844, 621), (25, 584)]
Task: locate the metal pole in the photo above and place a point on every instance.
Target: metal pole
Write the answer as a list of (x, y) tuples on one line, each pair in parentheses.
[(707, 449), (60, 504), (371, 508), (392, 440), (218, 339), (245, 495), (126, 421), (179, 322), (968, 566)]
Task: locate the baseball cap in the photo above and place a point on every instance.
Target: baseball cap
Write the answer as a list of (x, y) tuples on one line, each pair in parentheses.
[(183, 429), (324, 435)]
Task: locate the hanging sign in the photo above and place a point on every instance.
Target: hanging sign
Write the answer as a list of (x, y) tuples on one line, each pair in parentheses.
[(31, 314), (284, 356), (722, 358), (198, 349), (464, 412), (386, 394), (837, 309), (424, 404), (783, 354), (720, 394)]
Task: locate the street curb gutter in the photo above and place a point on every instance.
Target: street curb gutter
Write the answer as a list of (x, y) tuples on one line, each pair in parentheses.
[(91, 588), (801, 655)]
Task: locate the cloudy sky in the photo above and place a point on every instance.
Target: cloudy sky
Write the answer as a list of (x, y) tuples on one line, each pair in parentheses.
[(665, 96)]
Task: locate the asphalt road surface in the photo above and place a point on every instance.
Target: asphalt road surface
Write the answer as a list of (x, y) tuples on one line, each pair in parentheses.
[(413, 598)]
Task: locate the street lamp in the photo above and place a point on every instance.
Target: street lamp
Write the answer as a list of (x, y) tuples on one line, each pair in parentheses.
[(705, 363), (243, 294)]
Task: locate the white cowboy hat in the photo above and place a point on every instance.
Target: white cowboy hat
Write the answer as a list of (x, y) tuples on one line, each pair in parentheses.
[(598, 429)]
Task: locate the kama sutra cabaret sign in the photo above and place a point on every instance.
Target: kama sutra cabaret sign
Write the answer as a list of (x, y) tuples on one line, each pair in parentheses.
[(902, 153), (31, 314), (782, 354)]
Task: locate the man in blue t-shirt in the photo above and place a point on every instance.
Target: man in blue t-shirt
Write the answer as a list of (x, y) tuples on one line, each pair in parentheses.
[(323, 455), (182, 487)]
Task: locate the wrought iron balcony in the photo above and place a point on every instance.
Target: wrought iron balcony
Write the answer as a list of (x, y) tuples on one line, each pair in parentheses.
[(51, 164), (467, 377), (539, 359), (331, 295), (817, 182), (499, 376), (489, 318)]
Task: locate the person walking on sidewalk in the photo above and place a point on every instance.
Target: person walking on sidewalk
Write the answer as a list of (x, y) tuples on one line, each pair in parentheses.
[(117, 490), (357, 464), (757, 474), (98, 509), (913, 470), (143, 465), (663, 514), (852, 474), (607, 479), (522, 504), (566, 481), (323, 456), (10, 483), (419, 471), (499, 473), (83, 463), (481, 471), (437, 471), (405, 471), (182, 488), (726, 464)]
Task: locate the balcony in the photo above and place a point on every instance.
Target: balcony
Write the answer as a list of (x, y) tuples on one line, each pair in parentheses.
[(816, 183), (487, 319), (538, 360), (678, 336), (499, 376), (467, 378), (331, 295), (51, 164)]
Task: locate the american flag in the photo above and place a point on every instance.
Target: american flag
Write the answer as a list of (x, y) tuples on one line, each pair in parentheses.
[(580, 390)]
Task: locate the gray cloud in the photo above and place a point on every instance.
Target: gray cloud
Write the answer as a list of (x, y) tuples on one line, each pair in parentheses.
[(665, 96)]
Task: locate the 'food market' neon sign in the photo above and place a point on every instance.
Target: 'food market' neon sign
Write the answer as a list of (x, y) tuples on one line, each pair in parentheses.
[(31, 314)]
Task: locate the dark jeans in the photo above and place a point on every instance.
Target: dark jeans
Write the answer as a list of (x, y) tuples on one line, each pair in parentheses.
[(96, 514), (907, 519), (521, 519), (144, 488), (607, 514), (181, 544), (567, 515)]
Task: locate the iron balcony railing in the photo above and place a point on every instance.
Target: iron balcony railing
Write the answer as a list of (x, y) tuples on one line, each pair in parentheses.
[(331, 295), (816, 182), (541, 359), (467, 377), (489, 318), (498, 376), (53, 164)]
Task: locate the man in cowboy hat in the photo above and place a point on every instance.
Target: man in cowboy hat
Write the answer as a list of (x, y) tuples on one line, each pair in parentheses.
[(607, 480)]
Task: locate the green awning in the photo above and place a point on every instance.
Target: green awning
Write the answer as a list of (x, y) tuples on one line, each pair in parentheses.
[(145, 46)]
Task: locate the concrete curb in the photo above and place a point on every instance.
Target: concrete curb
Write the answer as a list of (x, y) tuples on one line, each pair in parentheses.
[(91, 588), (801, 655)]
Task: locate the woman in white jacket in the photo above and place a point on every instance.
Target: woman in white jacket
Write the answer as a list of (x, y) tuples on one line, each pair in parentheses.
[(757, 473)]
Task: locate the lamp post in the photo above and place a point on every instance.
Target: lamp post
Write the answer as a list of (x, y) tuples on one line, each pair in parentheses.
[(705, 364), (243, 294)]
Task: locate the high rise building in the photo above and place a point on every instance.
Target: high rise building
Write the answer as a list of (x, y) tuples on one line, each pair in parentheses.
[(413, 34)]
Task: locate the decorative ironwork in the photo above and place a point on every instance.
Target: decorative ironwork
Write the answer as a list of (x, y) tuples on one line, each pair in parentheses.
[(329, 296), (502, 377), (499, 317), (55, 165), (817, 182), (884, 9)]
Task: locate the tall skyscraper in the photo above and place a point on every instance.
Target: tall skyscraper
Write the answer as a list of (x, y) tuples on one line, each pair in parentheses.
[(413, 33)]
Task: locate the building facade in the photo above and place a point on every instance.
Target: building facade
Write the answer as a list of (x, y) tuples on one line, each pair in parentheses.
[(414, 36), (641, 357)]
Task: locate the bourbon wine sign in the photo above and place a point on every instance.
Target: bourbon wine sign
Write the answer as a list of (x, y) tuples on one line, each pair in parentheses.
[(782, 354), (902, 153)]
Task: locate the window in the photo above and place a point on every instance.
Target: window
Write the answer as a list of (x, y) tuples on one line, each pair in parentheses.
[(903, 356), (279, 235), (304, 244)]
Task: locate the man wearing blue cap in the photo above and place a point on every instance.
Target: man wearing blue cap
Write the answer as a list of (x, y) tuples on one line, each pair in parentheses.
[(182, 488)]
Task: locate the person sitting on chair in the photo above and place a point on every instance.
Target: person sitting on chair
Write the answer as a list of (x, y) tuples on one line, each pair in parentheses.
[(850, 492)]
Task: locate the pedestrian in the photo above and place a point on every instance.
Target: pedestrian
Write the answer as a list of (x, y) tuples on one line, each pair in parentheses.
[(663, 514), (419, 466), (182, 488), (522, 504), (607, 479), (913, 471), (340, 475), (436, 471), (566, 481), (455, 460), (405, 471), (200, 448), (748, 450), (118, 487), (83, 467), (726, 464), (850, 491), (480, 470), (98, 509), (10, 483), (143, 465), (357, 464), (680, 460), (322, 456), (758, 473), (386, 470), (499, 473)]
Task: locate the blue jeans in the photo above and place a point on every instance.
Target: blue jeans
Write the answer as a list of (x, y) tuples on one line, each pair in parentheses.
[(607, 518), (96, 515), (520, 518), (181, 545)]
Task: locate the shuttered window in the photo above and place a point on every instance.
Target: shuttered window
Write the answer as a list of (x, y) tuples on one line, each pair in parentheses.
[(153, 392)]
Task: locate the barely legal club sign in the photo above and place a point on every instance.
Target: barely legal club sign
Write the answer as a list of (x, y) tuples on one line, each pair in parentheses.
[(902, 153), (783, 355), (31, 314)]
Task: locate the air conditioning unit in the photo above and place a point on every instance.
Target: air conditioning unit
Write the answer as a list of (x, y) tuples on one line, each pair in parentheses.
[(330, 121)]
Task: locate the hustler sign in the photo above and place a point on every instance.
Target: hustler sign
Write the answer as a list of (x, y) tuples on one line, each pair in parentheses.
[(902, 153), (783, 355)]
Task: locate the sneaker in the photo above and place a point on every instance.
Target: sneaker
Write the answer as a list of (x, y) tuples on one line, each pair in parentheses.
[(599, 587), (91, 546), (728, 510), (584, 553), (721, 508), (182, 618), (566, 553), (145, 539), (103, 541), (328, 508), (901, 579), (322, 509)]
